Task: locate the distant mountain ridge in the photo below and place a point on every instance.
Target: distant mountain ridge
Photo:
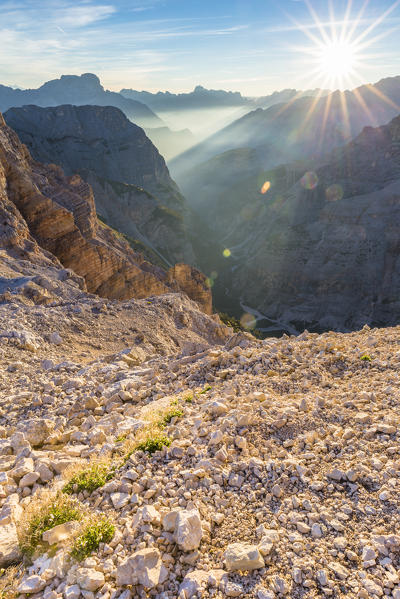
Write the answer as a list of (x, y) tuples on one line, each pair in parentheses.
[(302, 128), (200, 97), (78, 90), (133, 189)]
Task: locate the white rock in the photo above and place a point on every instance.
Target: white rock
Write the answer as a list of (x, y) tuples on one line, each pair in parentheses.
[(29, 479), (55, 338), (31, 584), (119, 500), (188, 532), (9, 547), (72, 592), (265, 594), (38, 431), (369, 556), (316, 531), (143, 567), (242, 556), (89, 579), (60, 533), (146, 514), (193, 582)]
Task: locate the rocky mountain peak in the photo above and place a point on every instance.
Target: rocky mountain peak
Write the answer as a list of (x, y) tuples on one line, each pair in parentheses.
[(87, 83)]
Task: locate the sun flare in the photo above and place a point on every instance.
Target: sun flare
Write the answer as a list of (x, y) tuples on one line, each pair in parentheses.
[(340, 47), (337, 59)]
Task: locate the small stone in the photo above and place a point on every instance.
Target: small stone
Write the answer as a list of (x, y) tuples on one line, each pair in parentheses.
[(277, 491), (55, 338), (316, 531)]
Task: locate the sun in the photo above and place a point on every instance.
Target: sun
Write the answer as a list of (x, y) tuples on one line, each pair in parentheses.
[(338, 53), (337, 59)]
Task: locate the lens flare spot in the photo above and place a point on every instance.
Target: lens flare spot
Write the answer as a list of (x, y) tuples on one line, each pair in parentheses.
[(226, 253), (209, 282), (334, 193), (265, 187), (214, 274), (248, 321), (309, 180)]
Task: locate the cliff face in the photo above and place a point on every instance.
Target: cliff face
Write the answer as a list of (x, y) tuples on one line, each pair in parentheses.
[(52, 219), (319, 249), (133, 190)]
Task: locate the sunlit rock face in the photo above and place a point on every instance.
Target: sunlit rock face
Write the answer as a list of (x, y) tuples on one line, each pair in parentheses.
[(49, 222), (133, 190), (315, 246)]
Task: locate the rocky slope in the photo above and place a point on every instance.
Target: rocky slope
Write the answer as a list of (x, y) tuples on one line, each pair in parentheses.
[(277, 474), (320, 247), (133, 190), (49, 222), (78, 90)]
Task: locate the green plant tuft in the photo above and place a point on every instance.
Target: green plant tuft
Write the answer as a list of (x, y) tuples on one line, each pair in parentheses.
[(206, 388), (176, 413), (90, 479), (100, 531), (58, 510), (155, 443), (366, 358)]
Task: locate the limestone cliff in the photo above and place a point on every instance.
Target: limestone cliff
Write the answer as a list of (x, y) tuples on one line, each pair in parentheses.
[(51, 218), (133, 190)]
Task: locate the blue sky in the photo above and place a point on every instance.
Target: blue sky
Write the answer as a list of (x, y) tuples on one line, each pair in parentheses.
[(254, 46)]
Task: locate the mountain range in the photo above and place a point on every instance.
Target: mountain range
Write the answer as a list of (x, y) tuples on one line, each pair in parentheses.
[(201, 98), (302, 194), (78, 90), (303, 127)]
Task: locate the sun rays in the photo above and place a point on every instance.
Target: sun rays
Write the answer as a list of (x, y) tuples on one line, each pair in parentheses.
[(341, 48), (336, 56)]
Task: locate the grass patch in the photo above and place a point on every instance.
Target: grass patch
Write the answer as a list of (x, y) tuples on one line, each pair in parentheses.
[(92, 534), (206, 388), (121, 438), (366, 358), (41, 515), (90, 478), (166, 419), (154, 443), (9, 581), (188, 398)]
